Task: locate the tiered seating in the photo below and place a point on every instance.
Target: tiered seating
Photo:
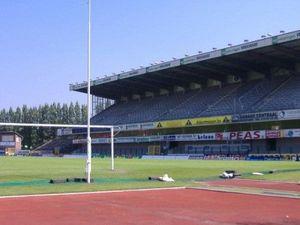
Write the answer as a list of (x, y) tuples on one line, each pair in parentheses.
[(149, 109), (139, 111), (113, 114), (197, 103), (244, 98), (287, 96), (259, 95)]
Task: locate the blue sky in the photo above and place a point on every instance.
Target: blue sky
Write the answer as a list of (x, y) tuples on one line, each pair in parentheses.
[(43, 43)]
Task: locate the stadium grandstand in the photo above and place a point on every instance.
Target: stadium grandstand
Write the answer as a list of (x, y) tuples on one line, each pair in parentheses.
[(237, 101)]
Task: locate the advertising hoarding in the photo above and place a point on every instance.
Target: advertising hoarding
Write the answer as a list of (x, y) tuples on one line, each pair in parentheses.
[(194, 122)]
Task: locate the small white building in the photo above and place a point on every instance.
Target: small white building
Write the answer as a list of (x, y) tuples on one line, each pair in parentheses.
[(10, 142)]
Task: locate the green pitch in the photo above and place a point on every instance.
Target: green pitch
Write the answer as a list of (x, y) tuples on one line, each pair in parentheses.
[(25, 175)]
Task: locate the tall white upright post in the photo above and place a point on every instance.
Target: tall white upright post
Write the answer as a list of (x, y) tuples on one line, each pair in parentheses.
[(112, 148), (89, 140)]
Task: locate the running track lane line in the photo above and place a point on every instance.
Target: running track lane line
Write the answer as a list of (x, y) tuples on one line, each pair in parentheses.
[(92, 192)]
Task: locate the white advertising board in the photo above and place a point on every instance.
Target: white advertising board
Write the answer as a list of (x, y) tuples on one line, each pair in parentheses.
[(163, 66), (246, 46), (291, 133), (286, 37)]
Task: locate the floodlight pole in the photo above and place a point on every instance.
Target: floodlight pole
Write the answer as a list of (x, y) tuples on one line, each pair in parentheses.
[(89, 139)]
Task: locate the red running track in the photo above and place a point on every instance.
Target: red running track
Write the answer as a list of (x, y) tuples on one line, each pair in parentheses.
[(168, 207), (274, 185)]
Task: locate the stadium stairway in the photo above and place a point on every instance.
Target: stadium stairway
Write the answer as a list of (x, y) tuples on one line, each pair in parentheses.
[(64, 145), (179, 107), (223, 102), (285, 96)]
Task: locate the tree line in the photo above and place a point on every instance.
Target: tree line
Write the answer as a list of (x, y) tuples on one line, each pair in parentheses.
[(54, 113)]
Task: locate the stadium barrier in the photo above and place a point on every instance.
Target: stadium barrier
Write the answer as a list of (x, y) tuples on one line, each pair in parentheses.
[(273, 157), (266, 157), (166, 157)]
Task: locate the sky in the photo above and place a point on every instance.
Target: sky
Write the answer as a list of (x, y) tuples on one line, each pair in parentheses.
[(43, 44)]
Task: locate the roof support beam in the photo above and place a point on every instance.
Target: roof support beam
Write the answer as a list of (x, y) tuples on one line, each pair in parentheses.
[(140, 85), (192, 76), (158, 82), (229, 70), (202, 74), (179, 80), (294, 54), (107, 92), (274, 61), (238, 63), (213, 70)]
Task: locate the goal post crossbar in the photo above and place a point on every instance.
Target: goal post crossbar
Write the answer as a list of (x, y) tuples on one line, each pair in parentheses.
[(53, 125)]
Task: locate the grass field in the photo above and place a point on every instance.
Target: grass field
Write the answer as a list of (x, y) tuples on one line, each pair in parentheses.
[(25, 175)]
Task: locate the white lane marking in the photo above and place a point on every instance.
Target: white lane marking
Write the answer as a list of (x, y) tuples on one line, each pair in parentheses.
[(92, 193)]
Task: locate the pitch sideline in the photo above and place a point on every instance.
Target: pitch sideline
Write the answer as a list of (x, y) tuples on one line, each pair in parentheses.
[(92, 192)]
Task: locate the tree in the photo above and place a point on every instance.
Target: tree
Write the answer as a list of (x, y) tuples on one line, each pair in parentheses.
[(83, 114), (53, 114), (71, 115), (77, 113)]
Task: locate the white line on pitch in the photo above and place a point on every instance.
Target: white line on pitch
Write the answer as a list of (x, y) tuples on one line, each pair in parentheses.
[(91, 193)]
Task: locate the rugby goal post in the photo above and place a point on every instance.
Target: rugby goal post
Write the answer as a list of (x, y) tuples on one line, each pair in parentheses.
[(89, 140)]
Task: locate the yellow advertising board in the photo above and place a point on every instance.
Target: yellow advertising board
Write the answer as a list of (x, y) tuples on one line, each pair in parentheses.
[(194, 122)]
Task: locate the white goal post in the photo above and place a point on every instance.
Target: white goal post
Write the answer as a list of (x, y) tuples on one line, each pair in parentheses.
[(88, 167), (88, 125)]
